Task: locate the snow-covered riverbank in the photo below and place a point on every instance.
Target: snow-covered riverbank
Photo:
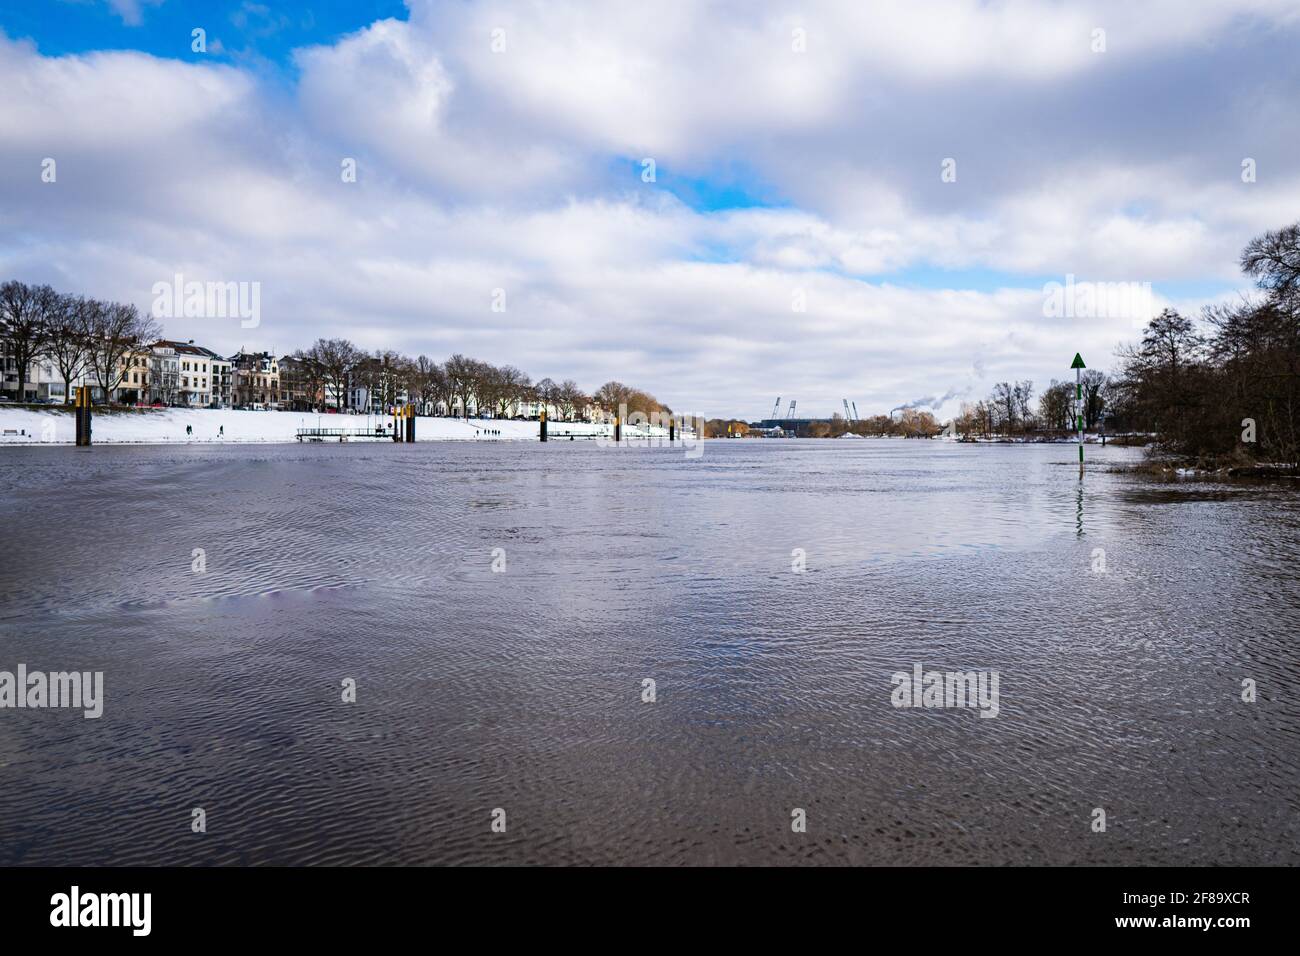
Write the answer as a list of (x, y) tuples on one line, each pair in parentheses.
[(27, 426)]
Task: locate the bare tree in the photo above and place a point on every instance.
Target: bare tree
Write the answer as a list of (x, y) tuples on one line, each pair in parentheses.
[(570, 398), (548, 393), (440, 386), (510, 387), (311, 377), (70, 330), (335, 360), (487, 385), (1094, 399), (1163, 373), (1009, 407), (1169, 344), (116, 332), (421, 381), (914, 423), (1273, 261), (463, 374), (1054, 405), (1024, 394), (25, 312), (1004, 400), (610, 396)]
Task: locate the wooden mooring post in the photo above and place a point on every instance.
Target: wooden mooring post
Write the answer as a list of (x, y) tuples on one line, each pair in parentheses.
[(82, 410)]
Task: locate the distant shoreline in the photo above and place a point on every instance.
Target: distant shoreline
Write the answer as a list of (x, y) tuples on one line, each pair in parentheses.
[(35, 425)]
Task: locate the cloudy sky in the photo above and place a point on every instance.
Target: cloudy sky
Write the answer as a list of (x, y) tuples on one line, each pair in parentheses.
[(798, 156)]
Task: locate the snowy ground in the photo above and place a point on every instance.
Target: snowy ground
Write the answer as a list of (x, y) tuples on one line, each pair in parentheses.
[(25, 426), (1071, 439)]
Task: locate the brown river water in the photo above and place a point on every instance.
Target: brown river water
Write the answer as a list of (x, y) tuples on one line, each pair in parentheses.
[(521, 688)]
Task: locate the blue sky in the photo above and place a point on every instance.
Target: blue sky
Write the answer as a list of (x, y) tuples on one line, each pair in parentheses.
[(243, 29), (798, 237)]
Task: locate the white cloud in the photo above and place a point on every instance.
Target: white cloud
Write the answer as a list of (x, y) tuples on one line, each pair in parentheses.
[(519, 170), (131, 11)]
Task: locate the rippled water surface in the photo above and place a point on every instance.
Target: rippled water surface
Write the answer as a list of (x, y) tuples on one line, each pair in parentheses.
[(522, 690)]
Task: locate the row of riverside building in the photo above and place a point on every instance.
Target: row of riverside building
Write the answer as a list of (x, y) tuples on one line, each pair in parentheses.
[(166, 373), (183, 374)]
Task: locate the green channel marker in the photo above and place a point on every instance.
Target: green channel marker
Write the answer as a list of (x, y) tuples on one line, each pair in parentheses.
[(1078, 367)]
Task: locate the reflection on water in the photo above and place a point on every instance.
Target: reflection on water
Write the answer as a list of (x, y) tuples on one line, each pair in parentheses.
[(522, 689)]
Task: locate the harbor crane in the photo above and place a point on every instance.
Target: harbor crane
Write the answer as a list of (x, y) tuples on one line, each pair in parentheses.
[(790, 413), (848, 416), (855, 411), (776, 409)]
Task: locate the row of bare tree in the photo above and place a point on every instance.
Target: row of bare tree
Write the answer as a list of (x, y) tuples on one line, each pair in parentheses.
[(1009, 409), (78, 335), (468, 385), (89, 337), (910, 423)]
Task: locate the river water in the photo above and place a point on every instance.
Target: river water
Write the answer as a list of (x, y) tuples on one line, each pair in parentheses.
[(520, 689)]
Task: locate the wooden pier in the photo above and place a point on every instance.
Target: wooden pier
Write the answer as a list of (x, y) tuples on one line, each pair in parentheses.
[(378, 433)]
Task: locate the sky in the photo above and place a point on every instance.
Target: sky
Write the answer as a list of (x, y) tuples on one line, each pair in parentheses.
[(720, 203)]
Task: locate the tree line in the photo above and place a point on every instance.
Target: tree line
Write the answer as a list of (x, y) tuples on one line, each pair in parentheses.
[(1010, 410), (911, 423), (80, 336), (1221, 386), (330, 366), (1227, 384), (92, 338)]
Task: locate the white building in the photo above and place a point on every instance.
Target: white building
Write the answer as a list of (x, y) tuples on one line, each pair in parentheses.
[(221, 380), (173, 374), (45, 375), (255, 379), (195, 375), (164, 379)]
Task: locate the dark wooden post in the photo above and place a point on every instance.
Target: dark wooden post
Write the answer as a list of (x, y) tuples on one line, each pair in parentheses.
[(618, 430), (543, 423), (83, 416), (410, 423)]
